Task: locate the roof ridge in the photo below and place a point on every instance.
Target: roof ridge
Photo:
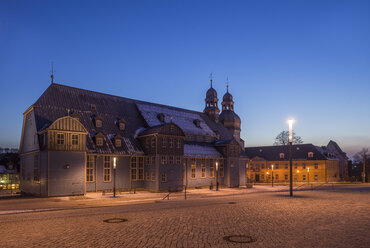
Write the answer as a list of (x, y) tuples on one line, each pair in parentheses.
[(121, 97)]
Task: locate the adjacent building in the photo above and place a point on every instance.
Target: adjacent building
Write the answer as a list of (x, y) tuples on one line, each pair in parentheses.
[(70, 138), (310, 163)]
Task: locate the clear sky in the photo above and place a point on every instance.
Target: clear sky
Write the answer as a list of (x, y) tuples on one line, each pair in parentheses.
[(309, 60)]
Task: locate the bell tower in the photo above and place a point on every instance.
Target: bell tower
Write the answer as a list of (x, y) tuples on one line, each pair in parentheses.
[(211, 109)]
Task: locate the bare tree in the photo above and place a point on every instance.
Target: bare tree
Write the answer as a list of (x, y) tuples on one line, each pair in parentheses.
[(283, 139), (361, 156)]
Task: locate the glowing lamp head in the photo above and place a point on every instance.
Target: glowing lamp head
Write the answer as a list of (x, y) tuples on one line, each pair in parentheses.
[(272, 166), (297, 171), (216, 165), (290, 121), (114, 162), (267, 173), (308, 169)]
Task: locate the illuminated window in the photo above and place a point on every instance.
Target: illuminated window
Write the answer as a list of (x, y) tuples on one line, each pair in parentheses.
[(60, 138), (203, 167), (107, 169), (281, 155), (90, 168), (164, 160), (74, 139), (211, 169), (193, 168), (163, 177), (310, 154)]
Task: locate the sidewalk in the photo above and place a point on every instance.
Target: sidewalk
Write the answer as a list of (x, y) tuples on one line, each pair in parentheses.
[(20, 204)]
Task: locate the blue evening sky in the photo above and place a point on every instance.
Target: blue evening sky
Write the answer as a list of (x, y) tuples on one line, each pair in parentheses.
[(309, 60)]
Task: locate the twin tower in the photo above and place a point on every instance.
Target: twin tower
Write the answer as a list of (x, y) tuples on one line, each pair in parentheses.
[(227, 117)]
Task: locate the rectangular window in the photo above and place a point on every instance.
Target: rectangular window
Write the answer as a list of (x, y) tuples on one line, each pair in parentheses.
[(286, 166), (75, 139), (262, 166), (153, 142), (171, 143), (316, 177), (107, 169), (276, 166), (23, 170), (304, 177), (178, 160), (221, 168), (286, 176), (263, 176), (147, 176), (99, 141), (316, 166), (193, 168), (147, 142), (153, 176), (171, 160), (203, 166), (90, 168), (60, 138), (178, 143), (163, 142), (118, 142), (163, 177), (295, 165), (133, 169), (164, 160), (141, 168), (36, 176), (303, 166), (211, 169), (276, 176), (153, 160)]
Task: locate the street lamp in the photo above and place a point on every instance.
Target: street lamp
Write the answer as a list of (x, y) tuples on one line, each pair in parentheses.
[(114, 176), (290, 154), (216, 176), (272, 182), (308, 178)]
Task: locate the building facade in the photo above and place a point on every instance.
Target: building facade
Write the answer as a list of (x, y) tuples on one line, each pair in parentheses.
[(70, 138), (310, 164)]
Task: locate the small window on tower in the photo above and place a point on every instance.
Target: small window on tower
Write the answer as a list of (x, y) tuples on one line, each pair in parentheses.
[(281, 155)]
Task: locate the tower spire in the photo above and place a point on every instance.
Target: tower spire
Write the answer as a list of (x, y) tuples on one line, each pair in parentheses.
[(52, 72), (211, 78), (227, 84)]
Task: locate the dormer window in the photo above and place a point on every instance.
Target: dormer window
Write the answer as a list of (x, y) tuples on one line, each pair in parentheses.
[(99, 139), (197, 123), (160, 117), (281, 155), (118, 142), (93, 107), (76, 115), (121, 124), (98, 121), (310, 154)]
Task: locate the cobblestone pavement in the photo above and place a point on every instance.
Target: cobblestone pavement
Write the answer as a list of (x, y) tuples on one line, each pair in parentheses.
[(324, 218)]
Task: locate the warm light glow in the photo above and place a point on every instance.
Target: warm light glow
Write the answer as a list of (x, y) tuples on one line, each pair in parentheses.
[(114, 162), (272, 166), (290, 130), (267, 173), (216, 165), (297, 171), (308, 169)]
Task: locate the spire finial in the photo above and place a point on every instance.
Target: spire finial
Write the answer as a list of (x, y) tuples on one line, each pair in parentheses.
[(211, 78), (52, 72), (227, 84)]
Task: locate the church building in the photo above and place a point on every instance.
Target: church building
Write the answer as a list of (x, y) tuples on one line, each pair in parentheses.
[(71, 139)]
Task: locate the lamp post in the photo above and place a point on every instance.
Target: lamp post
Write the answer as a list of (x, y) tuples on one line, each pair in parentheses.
[(246, 172), (272, 170), (308, 175), (290, 155), (114, 176), (216, 176)]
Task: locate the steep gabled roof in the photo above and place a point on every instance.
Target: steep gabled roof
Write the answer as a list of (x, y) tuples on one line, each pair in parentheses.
[(272, 153), (60, 100)]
